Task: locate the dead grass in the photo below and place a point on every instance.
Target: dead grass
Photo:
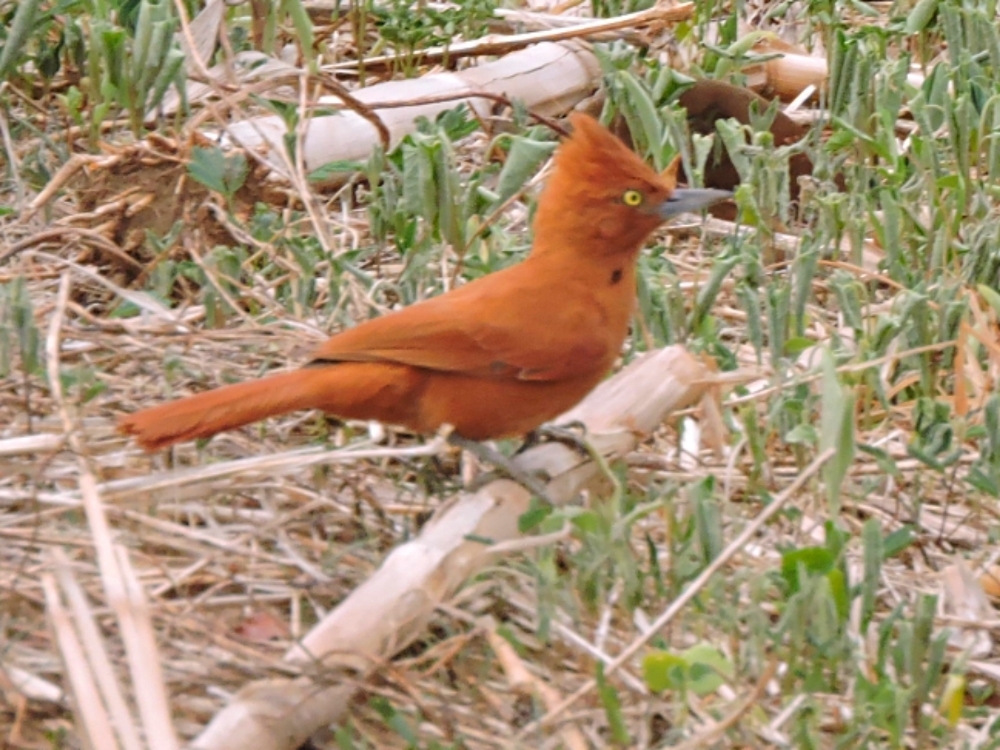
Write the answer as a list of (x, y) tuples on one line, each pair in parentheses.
[(237, 562), (242, 544)]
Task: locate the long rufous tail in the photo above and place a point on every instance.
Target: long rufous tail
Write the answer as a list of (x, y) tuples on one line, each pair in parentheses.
[(228, 407)]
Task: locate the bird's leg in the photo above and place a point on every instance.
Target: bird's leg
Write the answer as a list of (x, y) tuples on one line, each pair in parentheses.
[(487, 455), (572, 434)]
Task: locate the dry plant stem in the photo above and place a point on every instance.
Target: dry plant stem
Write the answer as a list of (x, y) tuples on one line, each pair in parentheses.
[(245, 318), (143, 488), (390, 609), (12, 161), (454, 97), (299, 178), (192, 50), (789, 75), (31, 444), (59, 234), (142, 300), (73, 165), (850, 367), (529, 608), (548, 79), (100, 665), (295, 173), (30, 686), (521, 679), (715, 731), (533, 21), (124, 597), (789, 244), (355, 105), (92, 721), (501, 45), (690, 592)]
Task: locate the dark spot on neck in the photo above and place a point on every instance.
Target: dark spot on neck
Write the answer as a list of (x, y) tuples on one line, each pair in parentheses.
[(616, 276)]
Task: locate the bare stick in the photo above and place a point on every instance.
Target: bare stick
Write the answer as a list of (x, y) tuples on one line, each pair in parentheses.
[(391, 608), (689, 593)]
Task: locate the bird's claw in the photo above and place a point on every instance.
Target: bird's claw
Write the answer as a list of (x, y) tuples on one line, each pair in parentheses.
[(488, 455), (571, 434)]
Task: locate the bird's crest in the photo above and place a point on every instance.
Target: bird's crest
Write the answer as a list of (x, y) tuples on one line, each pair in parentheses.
[(585, 206), (593, 156)]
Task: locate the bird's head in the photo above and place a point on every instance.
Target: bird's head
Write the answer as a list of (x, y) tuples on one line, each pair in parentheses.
[(601, 197)]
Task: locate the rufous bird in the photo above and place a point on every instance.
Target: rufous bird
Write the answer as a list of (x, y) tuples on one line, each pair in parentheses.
[(498, 356)]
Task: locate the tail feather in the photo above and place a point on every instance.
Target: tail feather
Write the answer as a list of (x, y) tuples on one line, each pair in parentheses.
[(226, 408)]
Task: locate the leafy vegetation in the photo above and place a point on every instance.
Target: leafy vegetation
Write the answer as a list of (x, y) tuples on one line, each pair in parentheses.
[(871, 333)]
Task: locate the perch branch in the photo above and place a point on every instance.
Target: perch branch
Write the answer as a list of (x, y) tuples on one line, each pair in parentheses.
[(391, 608)]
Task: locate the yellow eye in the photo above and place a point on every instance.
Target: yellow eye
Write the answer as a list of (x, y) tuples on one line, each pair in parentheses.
[(632, 198)]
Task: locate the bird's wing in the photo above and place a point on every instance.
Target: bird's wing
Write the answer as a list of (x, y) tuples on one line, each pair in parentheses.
[(502, 326)]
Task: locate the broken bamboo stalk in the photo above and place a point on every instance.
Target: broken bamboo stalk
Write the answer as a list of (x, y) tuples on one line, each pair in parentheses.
[(389, 610)]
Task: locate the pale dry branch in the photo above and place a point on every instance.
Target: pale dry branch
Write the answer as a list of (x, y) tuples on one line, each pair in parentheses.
[(547, 78), (92, 720), (660, 14), (122, 592), (98, 661), (391, 608)]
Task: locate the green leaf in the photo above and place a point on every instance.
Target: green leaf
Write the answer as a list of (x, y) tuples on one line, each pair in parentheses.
[(838, 591), (18, 34), (394, 720), (809, 560), (708, 668), (523, 160), (456, 123), (303, 29), (802, 434), (897, 541), (484, 540), (745, 43), (883, 460), (795, 345), (344, 737), (587, 521), (510, 635), (663, 671), (169, 74), (872, 554), (836, 430), (613, 710), (920, 16), (217, 171), (419, 193), (21, 313), (532, 517), (953, 699), (734, 137), (643, 118), (702, 668), (331, 169), (991, 296)]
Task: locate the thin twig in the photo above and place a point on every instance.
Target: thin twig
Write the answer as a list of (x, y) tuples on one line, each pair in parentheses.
[(498, 45), (712, 733), (689, 593)]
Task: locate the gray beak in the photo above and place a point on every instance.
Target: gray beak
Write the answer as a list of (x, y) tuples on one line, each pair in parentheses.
[(683, 200)]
